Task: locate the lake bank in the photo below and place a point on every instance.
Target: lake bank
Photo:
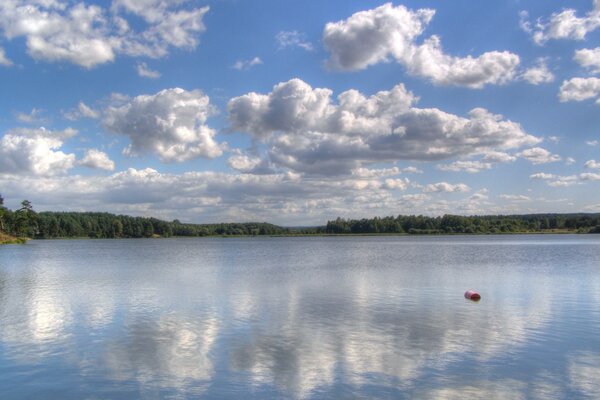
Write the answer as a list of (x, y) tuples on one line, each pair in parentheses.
[(7, 239)]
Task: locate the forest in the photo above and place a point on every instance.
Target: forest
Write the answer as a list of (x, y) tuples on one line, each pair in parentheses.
[(24, 222), (457, 224)]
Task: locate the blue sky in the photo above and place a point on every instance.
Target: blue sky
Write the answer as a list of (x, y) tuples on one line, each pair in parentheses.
[(300, 112)]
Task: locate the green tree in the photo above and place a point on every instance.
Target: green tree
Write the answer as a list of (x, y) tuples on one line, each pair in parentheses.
[(2, 212)]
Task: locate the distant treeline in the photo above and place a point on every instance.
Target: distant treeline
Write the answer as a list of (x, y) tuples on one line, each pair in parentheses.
[(25, 222), (448, 224), (105, 225)]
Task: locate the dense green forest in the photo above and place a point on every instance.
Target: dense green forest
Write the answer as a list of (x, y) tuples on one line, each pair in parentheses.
[(25, 222), (449, 224)]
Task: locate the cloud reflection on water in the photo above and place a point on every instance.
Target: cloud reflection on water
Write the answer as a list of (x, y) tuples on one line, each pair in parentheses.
[(297, 332)]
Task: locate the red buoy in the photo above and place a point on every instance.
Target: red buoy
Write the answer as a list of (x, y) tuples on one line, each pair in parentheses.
[(472, 295)]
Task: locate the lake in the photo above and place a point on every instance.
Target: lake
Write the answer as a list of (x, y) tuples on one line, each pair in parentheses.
[(303, 317)]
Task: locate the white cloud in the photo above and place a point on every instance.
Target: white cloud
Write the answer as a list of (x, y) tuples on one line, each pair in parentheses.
[(94, 158), (564, 25), (387, 32), (556, 180), (398, 184), (170, 123), (145, 72), (498, 156), (514, 197), (542, 175), (375, 172), (592, 143), (479, 196), (244, 162), (446, 188), (246, 64), (32, 117), (538, 74), (3, 59), (35, 152), (524, 23), (554, 139), (563, 181), (590, 176), (592, 164), (286, 39), (538, 155), (412, 170), (579, 89), (82, 111), (570, 161), (471, 167), (79, 35), (89, 35), (307, 132), (589, 58)]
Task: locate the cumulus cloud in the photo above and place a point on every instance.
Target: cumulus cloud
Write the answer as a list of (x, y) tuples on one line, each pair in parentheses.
[(89, 35), (412, 170), (471, 167), (592, 143), (589, 58), (306, 131), (397, 184), (145, 72), (94, 158), (246, 64), (579, 89), (247, 163), (563, 25), (446, 187), (555, 180), (3, 59), (538, 155), (387, 32), (287, 39), (170, 123), (498, 156), (538, 74), (35, 152), (590, 176), (592, 164)]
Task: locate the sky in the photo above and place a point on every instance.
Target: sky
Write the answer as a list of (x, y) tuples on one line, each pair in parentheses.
[(296, 112)]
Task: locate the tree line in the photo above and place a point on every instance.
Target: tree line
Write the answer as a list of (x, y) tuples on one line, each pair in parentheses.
[(449, 224), (25, 222), (105, 225)]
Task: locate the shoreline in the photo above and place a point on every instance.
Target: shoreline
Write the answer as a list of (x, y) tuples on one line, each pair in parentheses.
[(557, 232), (8, 239)]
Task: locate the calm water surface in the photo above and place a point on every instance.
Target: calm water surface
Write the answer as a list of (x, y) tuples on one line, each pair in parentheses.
[(365, 317)]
